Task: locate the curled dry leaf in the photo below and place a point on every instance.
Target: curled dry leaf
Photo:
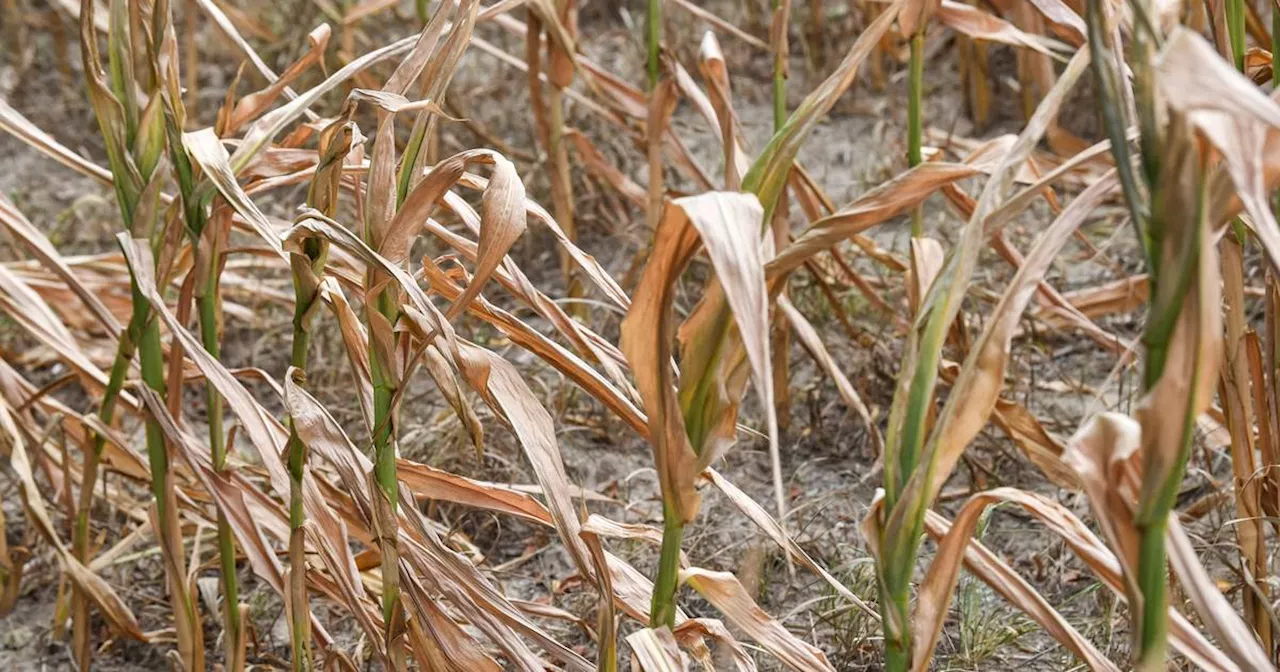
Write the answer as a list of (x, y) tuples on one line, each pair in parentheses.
[(502, 219), (726, 594), (977, 24), (926, 262), (1235, 116), (716, 74), (729, 225), (90, 584), (957, 544), (656, 651), (206, 150), (716, 630), (586, 263), (1103, 453), (885, 201)]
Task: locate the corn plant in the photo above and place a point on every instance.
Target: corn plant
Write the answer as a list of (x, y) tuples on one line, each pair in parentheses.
[(208, 239), (913, 22), (917, 460), (693, 426), (136, 139), (1173, 181), (307, 266)]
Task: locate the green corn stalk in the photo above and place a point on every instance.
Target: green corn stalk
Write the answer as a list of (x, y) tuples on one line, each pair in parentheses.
[(125, 351), (662, 608), (915, 126), (781, 223), (386, 347), (1157, 498), (1235, 19), (135, 141), (1105, 78), (308, 269), (780, 66), (385, 386), (1171, 175), (209, 307), (383, 312)]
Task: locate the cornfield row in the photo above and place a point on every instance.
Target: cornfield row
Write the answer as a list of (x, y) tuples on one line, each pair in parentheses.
[(328, 512)]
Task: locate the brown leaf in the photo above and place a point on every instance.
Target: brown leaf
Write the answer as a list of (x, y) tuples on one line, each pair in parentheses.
[(730, 226), (249, 107), (656, 651), (885, 201), (956, 543), (206, 150), (90, 584), (726, 594), (507, 394), (977, 24), (431, 483), (1102, 452)]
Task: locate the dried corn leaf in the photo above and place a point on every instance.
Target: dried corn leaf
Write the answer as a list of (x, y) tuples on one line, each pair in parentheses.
[(432, 483), (885, 201), (957, 544), (254, 104), (605, 527), (729, 225), (206, 150), (1233, 114), (1102, 452), (502, 387), (726, 593), (90, 584), (35, 241), (656, 651), (977, 24)]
